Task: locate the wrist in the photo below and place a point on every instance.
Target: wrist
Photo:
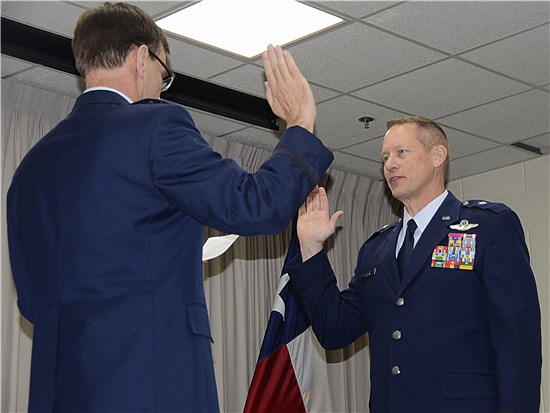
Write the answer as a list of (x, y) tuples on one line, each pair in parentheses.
[(309, 250), (305, 122)]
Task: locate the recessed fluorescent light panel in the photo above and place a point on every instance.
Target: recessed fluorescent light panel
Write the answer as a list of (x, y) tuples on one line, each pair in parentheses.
[(246, 27)]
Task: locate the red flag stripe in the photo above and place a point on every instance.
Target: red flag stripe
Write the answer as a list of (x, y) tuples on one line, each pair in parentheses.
[(274, 388)]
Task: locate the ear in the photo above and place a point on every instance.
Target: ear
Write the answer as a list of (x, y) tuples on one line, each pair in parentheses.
[(439, 154), (140, 58)]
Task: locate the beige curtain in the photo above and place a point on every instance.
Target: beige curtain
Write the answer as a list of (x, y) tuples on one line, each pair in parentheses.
[(239, 286)]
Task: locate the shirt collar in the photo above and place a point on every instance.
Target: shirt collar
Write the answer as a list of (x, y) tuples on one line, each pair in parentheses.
[(110, 90), (426, 214)]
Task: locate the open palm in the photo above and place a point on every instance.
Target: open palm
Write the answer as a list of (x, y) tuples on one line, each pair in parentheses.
[(315, 225)]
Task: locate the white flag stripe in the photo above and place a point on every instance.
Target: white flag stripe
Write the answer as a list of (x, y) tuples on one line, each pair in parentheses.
[(278, 303), (310, 368)]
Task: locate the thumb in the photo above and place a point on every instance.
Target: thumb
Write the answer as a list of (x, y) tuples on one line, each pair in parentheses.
[(336, 216)]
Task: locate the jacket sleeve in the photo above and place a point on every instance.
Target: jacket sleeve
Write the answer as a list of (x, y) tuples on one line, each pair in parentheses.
[(217, 192), (514, 315), (337, 317)]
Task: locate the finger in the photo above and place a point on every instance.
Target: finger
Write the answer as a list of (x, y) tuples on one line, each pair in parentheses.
[(270, 65), (323, 200), (303, 209), (318, 200), (267, 62), (268, 93), (275, 55), (282, 67), (315, 202), (291, 65), (309, 201)]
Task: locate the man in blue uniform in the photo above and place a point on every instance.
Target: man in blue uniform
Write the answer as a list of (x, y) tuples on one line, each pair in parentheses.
[(446, 294), (106, 217)]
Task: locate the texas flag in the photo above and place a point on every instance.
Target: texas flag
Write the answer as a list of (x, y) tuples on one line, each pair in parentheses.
[(291, 373)]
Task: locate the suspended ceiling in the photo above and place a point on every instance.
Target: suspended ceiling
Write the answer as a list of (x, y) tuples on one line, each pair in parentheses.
[(481, 69)]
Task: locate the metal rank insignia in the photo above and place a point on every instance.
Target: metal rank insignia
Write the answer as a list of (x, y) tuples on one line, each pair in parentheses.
[(458, 253), (463, 226)]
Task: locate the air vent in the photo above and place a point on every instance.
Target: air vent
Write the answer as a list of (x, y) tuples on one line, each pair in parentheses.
[(529, 148)]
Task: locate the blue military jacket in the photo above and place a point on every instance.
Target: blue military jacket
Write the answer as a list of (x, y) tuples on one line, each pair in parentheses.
[(106, 218), (456, 335)]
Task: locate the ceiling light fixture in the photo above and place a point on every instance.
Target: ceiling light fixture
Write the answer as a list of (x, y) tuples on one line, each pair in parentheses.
[(246, 27)]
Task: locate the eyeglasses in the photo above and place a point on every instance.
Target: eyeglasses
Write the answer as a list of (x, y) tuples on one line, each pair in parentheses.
[(169, 78)]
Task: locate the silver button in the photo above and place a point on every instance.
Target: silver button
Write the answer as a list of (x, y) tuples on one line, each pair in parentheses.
[(396, 335), (395, 371), (400, 301)]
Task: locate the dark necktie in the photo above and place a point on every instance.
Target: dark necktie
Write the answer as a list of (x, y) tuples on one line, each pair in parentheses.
[(406, 250)]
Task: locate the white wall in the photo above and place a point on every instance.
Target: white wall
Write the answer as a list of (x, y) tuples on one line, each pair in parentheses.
[(525, 188)]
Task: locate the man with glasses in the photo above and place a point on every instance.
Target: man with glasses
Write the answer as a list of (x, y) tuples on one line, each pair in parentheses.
[(168, 78), (106, 221)]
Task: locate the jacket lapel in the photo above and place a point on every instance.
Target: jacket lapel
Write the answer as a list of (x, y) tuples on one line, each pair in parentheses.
[(387, 259), (438, 228)]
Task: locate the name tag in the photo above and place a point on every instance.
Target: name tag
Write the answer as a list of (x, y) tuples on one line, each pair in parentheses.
[(369, 273)]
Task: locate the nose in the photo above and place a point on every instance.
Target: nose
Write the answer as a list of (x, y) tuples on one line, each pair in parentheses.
[(390, 165)]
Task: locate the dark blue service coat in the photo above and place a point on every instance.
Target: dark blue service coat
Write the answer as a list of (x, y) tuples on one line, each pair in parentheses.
[(106, 218), (444, 340)]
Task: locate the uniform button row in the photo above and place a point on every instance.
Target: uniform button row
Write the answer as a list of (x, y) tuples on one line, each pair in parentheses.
[(396, 335)]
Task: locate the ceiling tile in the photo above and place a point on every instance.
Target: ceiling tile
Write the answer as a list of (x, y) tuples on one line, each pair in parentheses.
[(250, 79), (357, 9), (246, 78), (525, 56), (57, 17), (153, 8), (11, 65), (357, 165), (321, 94), (456, 26), (463, 144), (51, 80), (355, 56), (197, 61), (541, 141), (338, 125), (370, 149), (507, 120), (487, 161), (428, 91)]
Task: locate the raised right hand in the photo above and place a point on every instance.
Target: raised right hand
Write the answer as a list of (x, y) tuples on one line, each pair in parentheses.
[(287, 91), (314, 225)]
